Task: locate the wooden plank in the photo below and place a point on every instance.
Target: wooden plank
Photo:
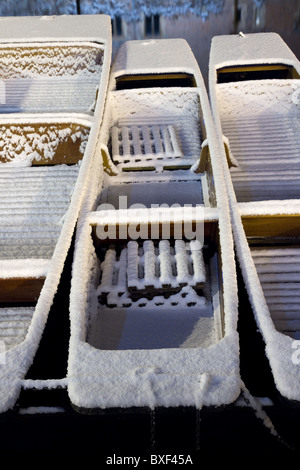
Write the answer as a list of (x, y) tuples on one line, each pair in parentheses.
[(20, 290), (284, 225), (226, 74), (155, 79)]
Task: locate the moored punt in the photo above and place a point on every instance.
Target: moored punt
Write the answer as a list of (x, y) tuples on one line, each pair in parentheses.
[(153, 302), (48, 131), (254, 91)]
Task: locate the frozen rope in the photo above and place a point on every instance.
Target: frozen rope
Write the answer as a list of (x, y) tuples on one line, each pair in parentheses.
[(262, 415)]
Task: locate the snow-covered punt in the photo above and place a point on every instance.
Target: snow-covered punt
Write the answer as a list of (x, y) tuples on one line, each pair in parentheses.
[(254, 90), (255, 80), (153, 302), (53, 80)]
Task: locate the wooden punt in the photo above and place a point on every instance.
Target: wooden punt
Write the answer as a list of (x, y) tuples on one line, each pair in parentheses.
[(153, 302), (259, 89), (53, 89)]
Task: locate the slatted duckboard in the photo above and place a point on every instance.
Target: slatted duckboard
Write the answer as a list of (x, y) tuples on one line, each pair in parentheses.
[(141, 142), (149, 269)]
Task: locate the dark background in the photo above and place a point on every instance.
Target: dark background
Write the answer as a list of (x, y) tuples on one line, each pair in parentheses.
[(212, 431)]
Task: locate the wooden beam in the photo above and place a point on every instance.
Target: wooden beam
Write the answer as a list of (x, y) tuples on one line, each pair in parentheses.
[(20, 290), (227, 74), (62, 140), (284, 225), (155, 79), (210, 232)]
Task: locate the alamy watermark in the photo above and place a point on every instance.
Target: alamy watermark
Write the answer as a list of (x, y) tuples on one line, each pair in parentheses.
[(296, 353), (159, 221), (2, 353)]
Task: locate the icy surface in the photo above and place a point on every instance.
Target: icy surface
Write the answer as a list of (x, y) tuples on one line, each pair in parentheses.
[(24, 268), (122, 329)]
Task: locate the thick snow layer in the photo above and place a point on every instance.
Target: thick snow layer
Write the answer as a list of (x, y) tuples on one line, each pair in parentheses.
[(23, 268), (21, 145), (155, 56), (58, 26), (284, 207)]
